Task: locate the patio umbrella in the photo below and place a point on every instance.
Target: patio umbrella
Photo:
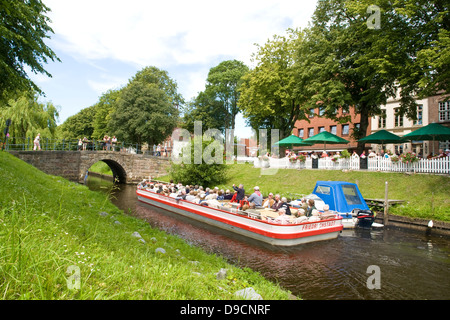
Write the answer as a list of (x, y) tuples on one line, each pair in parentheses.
[(326, 137), (382, 137), (432, 132), (291, 141)]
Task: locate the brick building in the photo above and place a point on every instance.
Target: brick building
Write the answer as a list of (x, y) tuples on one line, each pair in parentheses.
[(316, 124)]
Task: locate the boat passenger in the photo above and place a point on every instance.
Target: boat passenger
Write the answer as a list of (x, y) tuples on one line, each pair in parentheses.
[(326, 214), (284, 205), (173, 193), (220, 195), (191, 196), (282, 217), (269, 201), (276, 202), (301, 216), (240, 192), (314, 216), (311, 207), (227, 195), (256, 198)]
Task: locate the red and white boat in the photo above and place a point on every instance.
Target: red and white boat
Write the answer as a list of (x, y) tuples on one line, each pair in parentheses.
[(247, 224)]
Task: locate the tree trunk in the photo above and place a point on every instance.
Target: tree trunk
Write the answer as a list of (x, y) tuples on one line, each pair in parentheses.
[(364, 124)]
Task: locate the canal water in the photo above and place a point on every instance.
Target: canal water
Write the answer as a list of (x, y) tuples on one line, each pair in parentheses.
[(386, 264)]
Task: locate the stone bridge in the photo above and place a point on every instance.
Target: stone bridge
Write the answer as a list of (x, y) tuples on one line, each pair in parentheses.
[(73, 165)]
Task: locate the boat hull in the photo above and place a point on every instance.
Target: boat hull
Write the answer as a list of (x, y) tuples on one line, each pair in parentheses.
[(267, 232)]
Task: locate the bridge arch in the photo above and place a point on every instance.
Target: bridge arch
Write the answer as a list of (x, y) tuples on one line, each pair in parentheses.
[(119, 173)]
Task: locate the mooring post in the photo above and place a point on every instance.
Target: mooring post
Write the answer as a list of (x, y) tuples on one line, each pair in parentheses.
[(386, 205)]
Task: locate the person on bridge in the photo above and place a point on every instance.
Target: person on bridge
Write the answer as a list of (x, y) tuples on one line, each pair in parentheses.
[(37, 144)]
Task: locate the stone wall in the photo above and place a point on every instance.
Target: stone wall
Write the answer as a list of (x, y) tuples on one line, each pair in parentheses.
[(126, 167)]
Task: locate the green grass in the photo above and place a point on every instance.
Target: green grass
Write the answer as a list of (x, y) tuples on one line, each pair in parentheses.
[(101, 167), (427, 196), (50, 226)]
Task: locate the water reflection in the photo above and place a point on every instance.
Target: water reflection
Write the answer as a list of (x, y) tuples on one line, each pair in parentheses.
[(412, 265)]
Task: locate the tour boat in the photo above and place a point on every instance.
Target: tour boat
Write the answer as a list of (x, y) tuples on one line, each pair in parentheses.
[(245, 223), (345, 199)]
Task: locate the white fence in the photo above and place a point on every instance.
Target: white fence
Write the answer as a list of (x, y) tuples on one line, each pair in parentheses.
[(440, 166)]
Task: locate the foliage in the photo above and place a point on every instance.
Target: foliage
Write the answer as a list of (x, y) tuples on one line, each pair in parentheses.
[(104, 108), (208, 172), (269, 95), (24, 26), (207, 109), (223, 82), (409, 157), (29, 117), (345, 154), (79, 125), (144, 114)]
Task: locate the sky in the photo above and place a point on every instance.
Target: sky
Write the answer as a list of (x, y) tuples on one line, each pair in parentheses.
[(103, 43)]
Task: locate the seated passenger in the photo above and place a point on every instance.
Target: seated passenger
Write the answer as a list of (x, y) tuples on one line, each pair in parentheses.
[(284, 205), (314, 216), (311, 207), (326, 214), (276, 202), (227, 195), (220, 195), (256, 198), (282, 217), (269, 201), (191, 196), (301, 216)]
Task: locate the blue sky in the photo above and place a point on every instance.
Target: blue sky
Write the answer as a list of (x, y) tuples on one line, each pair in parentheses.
[(103, 43)]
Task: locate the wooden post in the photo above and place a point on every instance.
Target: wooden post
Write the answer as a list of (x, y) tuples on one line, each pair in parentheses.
[(386, 205)]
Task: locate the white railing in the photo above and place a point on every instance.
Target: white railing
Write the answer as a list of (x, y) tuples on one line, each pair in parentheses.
[(439, 166)]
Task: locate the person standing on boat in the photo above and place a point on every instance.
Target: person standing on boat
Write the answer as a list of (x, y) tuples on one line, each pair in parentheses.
[(240, 192)]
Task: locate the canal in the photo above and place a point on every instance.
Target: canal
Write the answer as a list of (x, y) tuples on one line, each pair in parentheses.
[(385, 264)]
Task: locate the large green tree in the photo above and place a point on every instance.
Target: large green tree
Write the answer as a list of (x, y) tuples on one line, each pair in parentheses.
[(79, 125), (224, 81), (207, 109), (147, 109), (343, 61), (270, 98), (24, 26)]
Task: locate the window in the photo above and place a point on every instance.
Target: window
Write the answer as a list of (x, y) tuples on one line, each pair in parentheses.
[(301, 133), (419, 115), (382, 119), (323, 190), (310, 132), (350, 194), (444, 111), (345, 129), (311, 113), (321, 111), (333, 129), (321, 129), (444, 145), (398, 119)]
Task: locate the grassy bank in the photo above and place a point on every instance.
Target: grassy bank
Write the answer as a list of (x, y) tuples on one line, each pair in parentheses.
[(53, 230), (427, 196)]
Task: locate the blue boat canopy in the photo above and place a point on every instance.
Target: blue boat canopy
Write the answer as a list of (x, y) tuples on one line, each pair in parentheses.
[(341, 196)]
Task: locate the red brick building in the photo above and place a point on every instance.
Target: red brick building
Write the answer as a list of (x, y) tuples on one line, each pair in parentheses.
[(317, 124)]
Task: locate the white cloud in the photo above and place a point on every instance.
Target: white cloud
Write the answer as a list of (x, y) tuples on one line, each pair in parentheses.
[(164, 33)]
